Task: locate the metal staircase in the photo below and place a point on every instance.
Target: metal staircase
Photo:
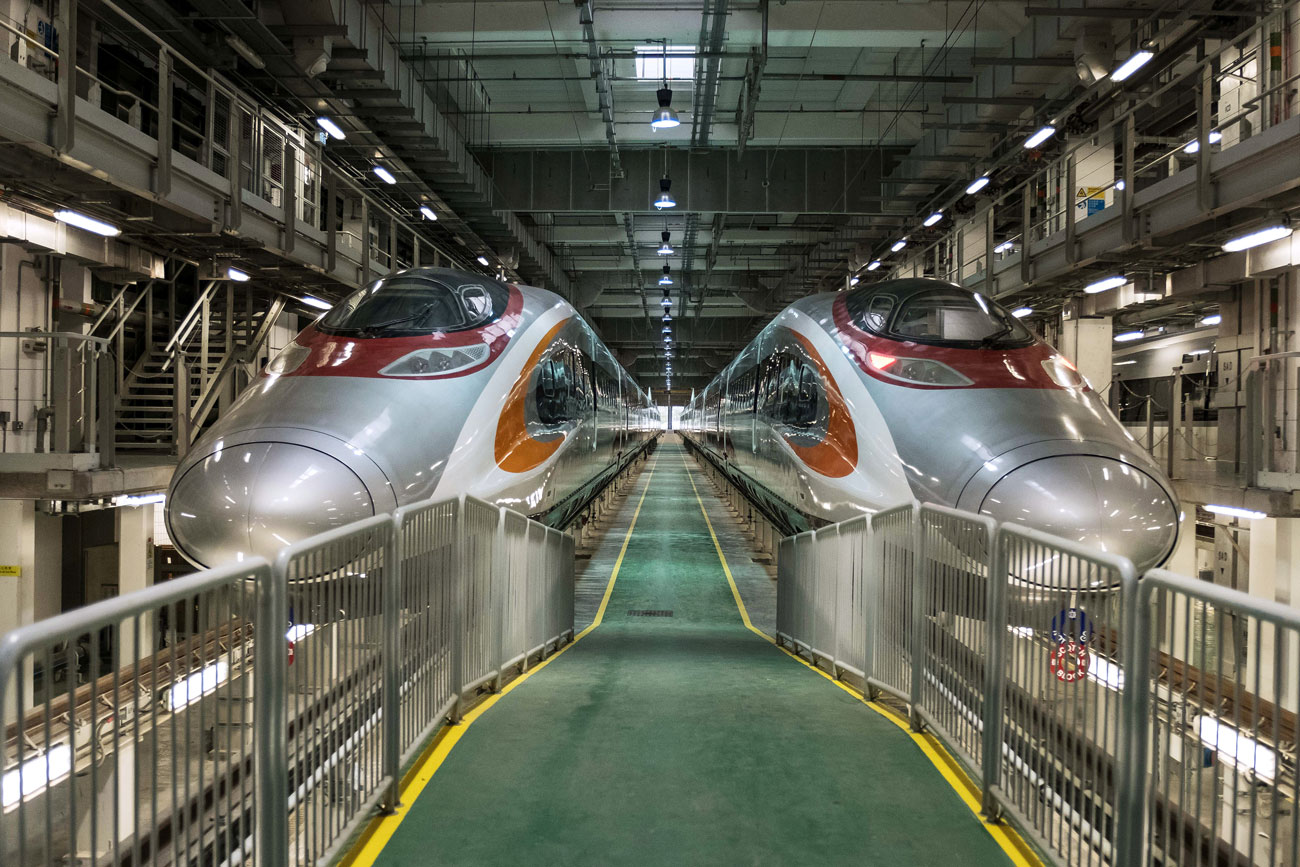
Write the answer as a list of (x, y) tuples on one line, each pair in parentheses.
[(172, 389)]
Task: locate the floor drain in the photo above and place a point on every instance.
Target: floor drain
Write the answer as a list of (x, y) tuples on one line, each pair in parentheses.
[(649, 612)]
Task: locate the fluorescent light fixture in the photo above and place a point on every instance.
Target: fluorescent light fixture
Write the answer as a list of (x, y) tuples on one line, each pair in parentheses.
[(90, 224), (854, 280), (1196, 352), (313, 301), (428, 213), (183, 694), (1122, 363), (1105, 672), (898, 245), (1254, 239), (35, 774), (331, 127), (483, 260), (384, 175), (1022, 312), (1129, 335), (1132, 65), (1194, 146), (138, 500), (1039, 137), (1213, 319), (237, 275), (1235, 512), (933, 219), (978, 184), (1004, 247), (1104, 284), (1236, 749)]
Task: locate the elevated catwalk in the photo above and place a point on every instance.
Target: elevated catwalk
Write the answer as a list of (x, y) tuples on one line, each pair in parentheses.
[(678, 739)]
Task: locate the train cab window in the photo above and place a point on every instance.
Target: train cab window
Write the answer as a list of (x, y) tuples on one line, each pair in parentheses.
[(953, 316), (417, 302)]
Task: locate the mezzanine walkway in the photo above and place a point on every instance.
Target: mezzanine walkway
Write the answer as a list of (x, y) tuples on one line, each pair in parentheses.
[(682, 739)]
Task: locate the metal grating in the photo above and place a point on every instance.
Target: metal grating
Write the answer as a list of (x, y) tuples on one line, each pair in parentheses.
[(650, 612)]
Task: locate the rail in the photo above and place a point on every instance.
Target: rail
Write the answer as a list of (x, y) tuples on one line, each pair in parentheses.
[(1114, 719), (262, 710)]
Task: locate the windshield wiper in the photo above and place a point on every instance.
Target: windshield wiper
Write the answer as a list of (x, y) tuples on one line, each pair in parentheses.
[(996, 336), (419, 314)]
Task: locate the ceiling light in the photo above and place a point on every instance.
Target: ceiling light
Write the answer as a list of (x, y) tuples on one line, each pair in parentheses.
[(1194, 146), (384, 175), (428, 213), (1120, 185), (1235, 512), (664, 117), (1022, 312), (1104, 284), (1039, 137), (242, 48), (35, 773), (90, 224), (668, 329), (1236, 749), (668, 317), (666, 280), (977, 185), (1129, 335), (312, 301), (665, 249), (854, 280), (1254, 239), (933, 218), (875, 263), (666, 301), (1213, 319), (138, 500), (483, 260), (1122, 363), (665, 199), (1005, 247), (1132, 65), (331, 127), (898, 245), (237, 275), (192, 688)]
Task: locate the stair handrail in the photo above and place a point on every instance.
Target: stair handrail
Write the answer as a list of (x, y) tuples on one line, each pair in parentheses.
[(186, 328), (208, 397), (126, 314)]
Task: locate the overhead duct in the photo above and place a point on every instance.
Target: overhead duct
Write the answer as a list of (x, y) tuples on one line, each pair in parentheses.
[(1094, 52)]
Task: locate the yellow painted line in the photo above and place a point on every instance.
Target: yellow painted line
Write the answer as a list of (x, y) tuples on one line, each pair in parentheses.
[(381, 829), (1020, 853)]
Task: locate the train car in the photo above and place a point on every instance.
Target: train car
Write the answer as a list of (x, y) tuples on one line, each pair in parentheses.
[(428, 382), (855, 402)]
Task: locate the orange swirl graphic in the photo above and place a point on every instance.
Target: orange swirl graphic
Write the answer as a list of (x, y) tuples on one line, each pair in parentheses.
[(515, 450), (837, 454)]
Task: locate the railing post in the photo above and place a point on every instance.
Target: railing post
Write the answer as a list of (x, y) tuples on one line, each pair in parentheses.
[(920, 598), (106, 408), (458, 611), (994, 671), (270, 730), (872, 596), (500, 599), (1131, 801), (392, 663)]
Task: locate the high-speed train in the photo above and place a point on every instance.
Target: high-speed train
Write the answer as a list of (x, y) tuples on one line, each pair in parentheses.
[(855, 402), (428, 382)]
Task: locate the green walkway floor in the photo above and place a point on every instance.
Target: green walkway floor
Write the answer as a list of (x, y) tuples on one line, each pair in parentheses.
[(683, 740)]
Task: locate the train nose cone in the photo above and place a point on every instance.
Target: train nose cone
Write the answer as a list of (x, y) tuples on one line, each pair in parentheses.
[(254, 499), (1098, 501)]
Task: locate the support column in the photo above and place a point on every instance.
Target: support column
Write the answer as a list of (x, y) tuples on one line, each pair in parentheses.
[(1087, 342), (1272, 574), (31, 565), (134, 571)]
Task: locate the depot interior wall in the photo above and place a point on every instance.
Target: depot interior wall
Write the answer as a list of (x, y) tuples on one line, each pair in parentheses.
[(25, 304)]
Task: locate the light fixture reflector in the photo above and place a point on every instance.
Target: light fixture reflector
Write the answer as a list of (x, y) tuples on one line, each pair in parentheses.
[(90, 224), (428, 213), (384, 175), (1043, 134), (335, 131), (1132, 65), (1259, 236), (933, 219), (977, 185), (1022, 312), (1105, 283), (898, 245), (237, 275)]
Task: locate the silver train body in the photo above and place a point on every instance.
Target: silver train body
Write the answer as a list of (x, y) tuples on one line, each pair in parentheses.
[(855, 402), (427, 383)]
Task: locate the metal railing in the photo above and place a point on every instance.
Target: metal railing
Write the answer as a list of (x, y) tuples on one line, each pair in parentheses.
[(61, 392), (261, 711), (1113, 720)]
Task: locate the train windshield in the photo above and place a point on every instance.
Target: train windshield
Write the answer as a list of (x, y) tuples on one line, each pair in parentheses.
[(412, 304), (937, 314)]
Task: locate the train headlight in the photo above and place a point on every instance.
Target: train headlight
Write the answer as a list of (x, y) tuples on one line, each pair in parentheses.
[(289, 359), (1063, 373), (924, 371), (441, 360)]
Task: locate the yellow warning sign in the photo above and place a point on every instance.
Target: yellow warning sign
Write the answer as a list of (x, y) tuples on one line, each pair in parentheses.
[(1090, 192), (11, 571)]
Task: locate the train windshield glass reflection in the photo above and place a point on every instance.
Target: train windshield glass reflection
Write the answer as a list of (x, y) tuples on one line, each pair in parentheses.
[(954, 317), (412, 304)]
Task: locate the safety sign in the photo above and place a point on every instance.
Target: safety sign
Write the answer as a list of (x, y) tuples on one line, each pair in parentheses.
[(1069, 662), (1072, 624)]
